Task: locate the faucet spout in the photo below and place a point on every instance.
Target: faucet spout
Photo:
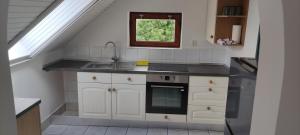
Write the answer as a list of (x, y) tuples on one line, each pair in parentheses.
[(115, 58)]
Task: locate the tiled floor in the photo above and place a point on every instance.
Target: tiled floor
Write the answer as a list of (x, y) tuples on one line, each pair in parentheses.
[(92, 130)]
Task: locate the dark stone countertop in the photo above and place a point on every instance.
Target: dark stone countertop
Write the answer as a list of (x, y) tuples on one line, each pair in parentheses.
[(22, 105), (153, 68)]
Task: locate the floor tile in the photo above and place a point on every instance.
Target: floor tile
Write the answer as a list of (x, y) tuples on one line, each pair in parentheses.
[(216, 133), (55, 130), (177, 132), (157, 131), (137, 131), (116, 131), (198, 132), (75, 130), (96, 130)]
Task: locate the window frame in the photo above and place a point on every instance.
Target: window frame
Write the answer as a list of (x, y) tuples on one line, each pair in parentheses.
[(155, 15)]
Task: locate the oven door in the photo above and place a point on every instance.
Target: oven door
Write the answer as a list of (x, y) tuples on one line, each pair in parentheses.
[(166, 98)]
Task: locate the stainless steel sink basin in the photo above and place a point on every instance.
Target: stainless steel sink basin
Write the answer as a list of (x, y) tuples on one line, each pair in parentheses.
[(109, 66)]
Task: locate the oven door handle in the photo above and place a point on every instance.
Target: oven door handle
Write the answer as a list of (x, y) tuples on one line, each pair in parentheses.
[(159, 86)]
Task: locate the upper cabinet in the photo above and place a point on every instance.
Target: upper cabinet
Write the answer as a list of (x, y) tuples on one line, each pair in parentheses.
[(224, 17)]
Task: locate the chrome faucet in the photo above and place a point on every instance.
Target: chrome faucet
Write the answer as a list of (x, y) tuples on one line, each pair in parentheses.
[(115, 58)]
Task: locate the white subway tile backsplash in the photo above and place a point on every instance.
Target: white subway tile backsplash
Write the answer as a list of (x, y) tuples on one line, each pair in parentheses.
[(143, 54), (155, 54), (205, 55), (107, 52), (180, 55), (219, 54), (131, 54), (167, 54), (202, 54), (193, 55), (95, 51)]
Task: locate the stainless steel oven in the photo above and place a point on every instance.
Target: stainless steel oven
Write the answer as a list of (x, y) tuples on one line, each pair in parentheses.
[(167, 94)]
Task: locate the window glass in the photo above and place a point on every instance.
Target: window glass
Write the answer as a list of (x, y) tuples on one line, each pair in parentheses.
[(160, 30), (49, 29), (148, 29)]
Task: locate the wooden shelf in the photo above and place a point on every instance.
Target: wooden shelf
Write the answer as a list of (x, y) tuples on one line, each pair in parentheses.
[(237, 45), (220, 26), (226, 16)]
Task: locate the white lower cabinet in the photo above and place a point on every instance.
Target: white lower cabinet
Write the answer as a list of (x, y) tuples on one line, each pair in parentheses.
[(94, 100), (206, 114), (123, 97), (166, 117), (124, 101), (207, 100), (128, 102)]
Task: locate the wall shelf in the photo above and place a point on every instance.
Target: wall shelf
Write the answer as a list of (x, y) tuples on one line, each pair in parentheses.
[(226, 16), (220, 26)]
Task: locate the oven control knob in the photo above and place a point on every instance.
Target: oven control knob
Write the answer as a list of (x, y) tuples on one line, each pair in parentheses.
[(167, 78), (208, 108), (166, 117)]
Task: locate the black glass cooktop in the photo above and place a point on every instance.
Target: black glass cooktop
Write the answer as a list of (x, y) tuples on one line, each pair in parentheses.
[(168, 67)]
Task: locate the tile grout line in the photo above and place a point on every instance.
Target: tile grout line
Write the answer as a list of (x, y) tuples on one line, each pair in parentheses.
[(106, 130), (126, 131), (147, 130), (86, 130)]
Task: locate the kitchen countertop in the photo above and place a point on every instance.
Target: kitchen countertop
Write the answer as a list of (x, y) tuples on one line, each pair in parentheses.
[(22, 105), (153, 68)]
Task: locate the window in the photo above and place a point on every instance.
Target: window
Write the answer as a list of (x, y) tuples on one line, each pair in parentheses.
[(48, 29), (155, 29)]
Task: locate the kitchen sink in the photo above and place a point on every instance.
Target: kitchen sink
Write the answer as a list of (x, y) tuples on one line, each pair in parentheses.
[(109, 66)]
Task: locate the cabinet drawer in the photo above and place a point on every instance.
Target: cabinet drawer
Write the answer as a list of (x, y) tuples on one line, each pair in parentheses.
[(128, 79), (207, 96), (166, 118), (83, 77), (206, 114), (209, 81)]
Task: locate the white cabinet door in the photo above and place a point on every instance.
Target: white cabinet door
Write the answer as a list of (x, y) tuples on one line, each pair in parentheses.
[(206, 114), (211, 20), (86, 77), (128, 102), (94, 100), (129, 79), (207, 96)]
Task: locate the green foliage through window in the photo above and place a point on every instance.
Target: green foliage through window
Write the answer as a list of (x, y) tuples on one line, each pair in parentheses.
[(160, 30)]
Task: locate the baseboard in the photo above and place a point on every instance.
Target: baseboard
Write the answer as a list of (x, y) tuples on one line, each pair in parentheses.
[(47, 121), (76, 121)]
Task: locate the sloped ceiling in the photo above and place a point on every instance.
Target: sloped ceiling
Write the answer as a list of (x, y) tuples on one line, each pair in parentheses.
[(76, 27), (22, 13)]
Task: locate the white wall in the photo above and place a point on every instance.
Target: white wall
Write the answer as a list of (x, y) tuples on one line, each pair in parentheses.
[(112, 25), (30, 81), (271, 65), (289, 111), (276, 108), (7, 113)]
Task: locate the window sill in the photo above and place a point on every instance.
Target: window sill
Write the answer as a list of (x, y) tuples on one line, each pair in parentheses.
[(20, 60), (158, 48)]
